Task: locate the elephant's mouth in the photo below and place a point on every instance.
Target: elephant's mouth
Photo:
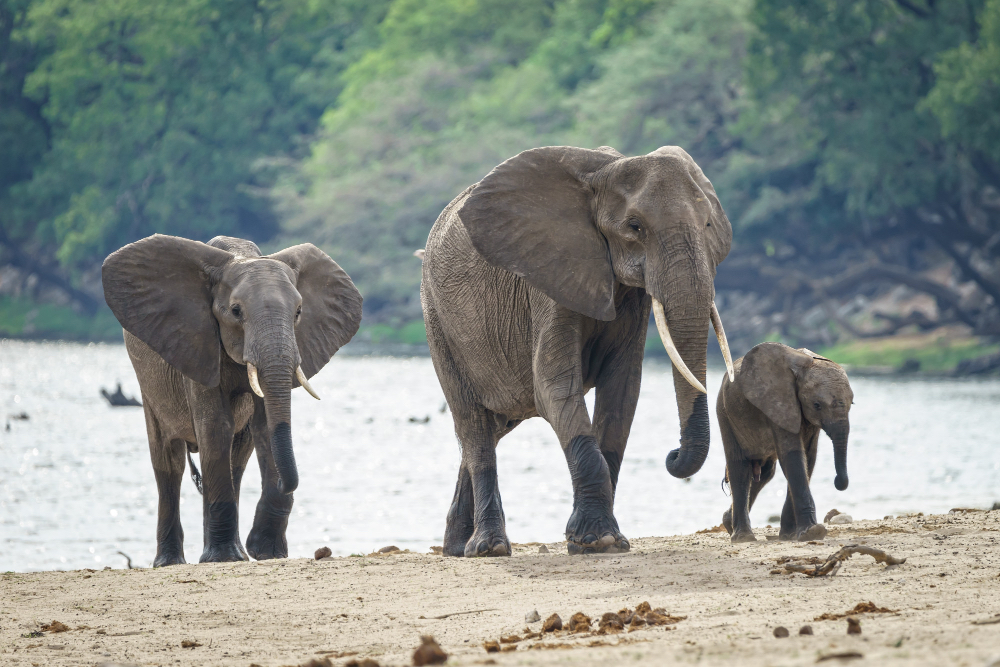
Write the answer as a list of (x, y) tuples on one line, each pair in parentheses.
[(675, 356)]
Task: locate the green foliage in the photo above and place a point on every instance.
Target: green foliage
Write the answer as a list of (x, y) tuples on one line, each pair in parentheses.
[(935, 354), (21, 318)]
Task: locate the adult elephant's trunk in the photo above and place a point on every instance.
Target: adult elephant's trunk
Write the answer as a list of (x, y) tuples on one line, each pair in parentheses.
[(838, 433), (274, 380), (682, 306)]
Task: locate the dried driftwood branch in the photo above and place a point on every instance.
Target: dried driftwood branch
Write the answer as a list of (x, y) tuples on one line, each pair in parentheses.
[(832, 564)]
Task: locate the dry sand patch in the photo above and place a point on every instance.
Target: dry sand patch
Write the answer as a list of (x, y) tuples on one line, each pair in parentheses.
[(943, 601)]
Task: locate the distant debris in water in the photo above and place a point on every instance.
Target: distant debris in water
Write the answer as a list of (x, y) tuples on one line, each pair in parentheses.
[(417, 420), (128, 560), (119, 399), (20, 417)]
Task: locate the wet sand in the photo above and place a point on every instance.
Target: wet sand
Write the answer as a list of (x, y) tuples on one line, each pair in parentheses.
[(377, 606)]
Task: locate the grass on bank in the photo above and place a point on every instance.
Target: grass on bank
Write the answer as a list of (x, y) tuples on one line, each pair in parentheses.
[(936, 352), (22, 318)]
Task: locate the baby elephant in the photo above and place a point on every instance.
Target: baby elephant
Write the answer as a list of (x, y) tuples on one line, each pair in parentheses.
[(774, 410)]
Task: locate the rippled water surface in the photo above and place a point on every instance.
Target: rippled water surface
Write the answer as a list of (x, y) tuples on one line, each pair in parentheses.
[(76, 484)]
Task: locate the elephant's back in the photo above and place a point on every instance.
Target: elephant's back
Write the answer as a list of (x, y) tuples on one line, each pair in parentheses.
[(481, 310)]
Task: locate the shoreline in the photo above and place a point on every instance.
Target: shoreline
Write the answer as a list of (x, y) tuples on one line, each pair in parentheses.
[(289, 612)]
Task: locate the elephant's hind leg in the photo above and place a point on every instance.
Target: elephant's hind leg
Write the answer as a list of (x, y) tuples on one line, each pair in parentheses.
[(168, 458), (461, 516), (477, 433)]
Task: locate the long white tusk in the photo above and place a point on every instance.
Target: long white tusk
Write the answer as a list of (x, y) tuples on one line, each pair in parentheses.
[(254, 382), (720, 333), (304, 382), (668, 342)]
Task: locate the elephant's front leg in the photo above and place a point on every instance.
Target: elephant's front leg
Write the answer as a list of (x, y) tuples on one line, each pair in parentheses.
[(592, 526), (213, 425), (267, 537), (799, 504)]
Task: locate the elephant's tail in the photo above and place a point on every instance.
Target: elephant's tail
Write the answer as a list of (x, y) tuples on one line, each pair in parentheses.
[(195, 475)]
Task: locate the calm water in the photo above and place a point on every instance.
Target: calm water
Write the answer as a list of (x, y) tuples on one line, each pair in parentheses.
[(76, 484)]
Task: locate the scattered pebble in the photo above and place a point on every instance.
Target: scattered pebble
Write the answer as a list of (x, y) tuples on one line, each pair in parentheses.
[(429, 652), (543, 549), (322, 552), (841, 519), (853, 626), (830, 515), (532, 616), (806, 630), (781, 631), (552, 623)]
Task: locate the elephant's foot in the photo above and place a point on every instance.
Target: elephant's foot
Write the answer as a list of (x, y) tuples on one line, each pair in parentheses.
[(169, 556), (597, 533), (228, 552), (488, 540), (727, 521), (267, 543), (743, 536)]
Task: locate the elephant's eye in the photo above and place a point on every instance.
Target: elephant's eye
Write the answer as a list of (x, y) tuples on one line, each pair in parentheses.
[(237, 311), (634, 226)]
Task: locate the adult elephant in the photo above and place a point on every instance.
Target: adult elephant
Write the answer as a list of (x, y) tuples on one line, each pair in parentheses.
[(537, 286), (218, 336)]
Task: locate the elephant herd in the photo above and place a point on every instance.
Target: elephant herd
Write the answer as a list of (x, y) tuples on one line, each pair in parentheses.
[(537, 286)]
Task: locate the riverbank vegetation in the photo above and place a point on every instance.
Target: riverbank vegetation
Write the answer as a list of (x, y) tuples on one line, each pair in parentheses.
[(855, 144)]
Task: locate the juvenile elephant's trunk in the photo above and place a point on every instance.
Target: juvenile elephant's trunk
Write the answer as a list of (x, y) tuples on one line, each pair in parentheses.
[(839, 434), (686, 298)]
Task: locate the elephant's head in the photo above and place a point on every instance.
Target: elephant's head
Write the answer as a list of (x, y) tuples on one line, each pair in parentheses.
[(787, 385), (283, 316), (574, 223)]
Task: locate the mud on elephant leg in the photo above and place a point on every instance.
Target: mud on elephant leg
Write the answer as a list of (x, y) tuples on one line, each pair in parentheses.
[(168, 468), (461, 516), (592, 528)]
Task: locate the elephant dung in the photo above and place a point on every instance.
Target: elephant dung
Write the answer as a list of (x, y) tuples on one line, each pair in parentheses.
[(806, 630), (491, 646), (322, 552), (552, 623), (829, 515), (611, 623), (580, 622), (429, 652), (55, 626), (781, 632), (510, 639), (853, 626)]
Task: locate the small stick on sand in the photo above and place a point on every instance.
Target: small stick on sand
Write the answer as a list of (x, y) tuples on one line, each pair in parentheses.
[(456, 613), (127, 558), (832, 563)]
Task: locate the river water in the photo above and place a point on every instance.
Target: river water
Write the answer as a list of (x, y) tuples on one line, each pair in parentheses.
[(378, 460)]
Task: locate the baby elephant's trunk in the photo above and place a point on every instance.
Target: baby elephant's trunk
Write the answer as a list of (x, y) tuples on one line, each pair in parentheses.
[(839, 432)]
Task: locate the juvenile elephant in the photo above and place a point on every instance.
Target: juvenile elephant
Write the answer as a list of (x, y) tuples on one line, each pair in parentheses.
[(218, 336), (774, 411), (537, 286)]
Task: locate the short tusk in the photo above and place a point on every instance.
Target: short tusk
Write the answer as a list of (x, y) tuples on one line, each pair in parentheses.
[(668, 342), (254, 382), (720, 333), (301, 377)]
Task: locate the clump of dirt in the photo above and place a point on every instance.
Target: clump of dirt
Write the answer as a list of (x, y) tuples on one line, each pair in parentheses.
[(363, 662), (319, 662), (853, 626), (437, 551), (544, 647), (781, 632), (552, 623), (491, 646), (717, 529), (388, 550), (860, 608), (580, 622), (830, 515), (806, 630), (510, 639), (322, 552), (429, 652), (189, 643), (55, 626)]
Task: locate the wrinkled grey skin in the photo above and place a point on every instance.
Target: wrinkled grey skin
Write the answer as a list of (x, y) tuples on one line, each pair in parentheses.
[(773, 412), (194, 314), (536, 288)]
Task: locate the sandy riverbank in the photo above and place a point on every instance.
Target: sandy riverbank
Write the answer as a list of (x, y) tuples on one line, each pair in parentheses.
[(290, 612)]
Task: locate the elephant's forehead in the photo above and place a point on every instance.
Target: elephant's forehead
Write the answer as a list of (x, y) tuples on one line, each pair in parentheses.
[(257, 269), (656, 179)]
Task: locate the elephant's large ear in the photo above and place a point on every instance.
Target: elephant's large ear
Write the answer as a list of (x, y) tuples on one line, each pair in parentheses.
[(331, 304), (767, 378), (532, 216), (160, 289)]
